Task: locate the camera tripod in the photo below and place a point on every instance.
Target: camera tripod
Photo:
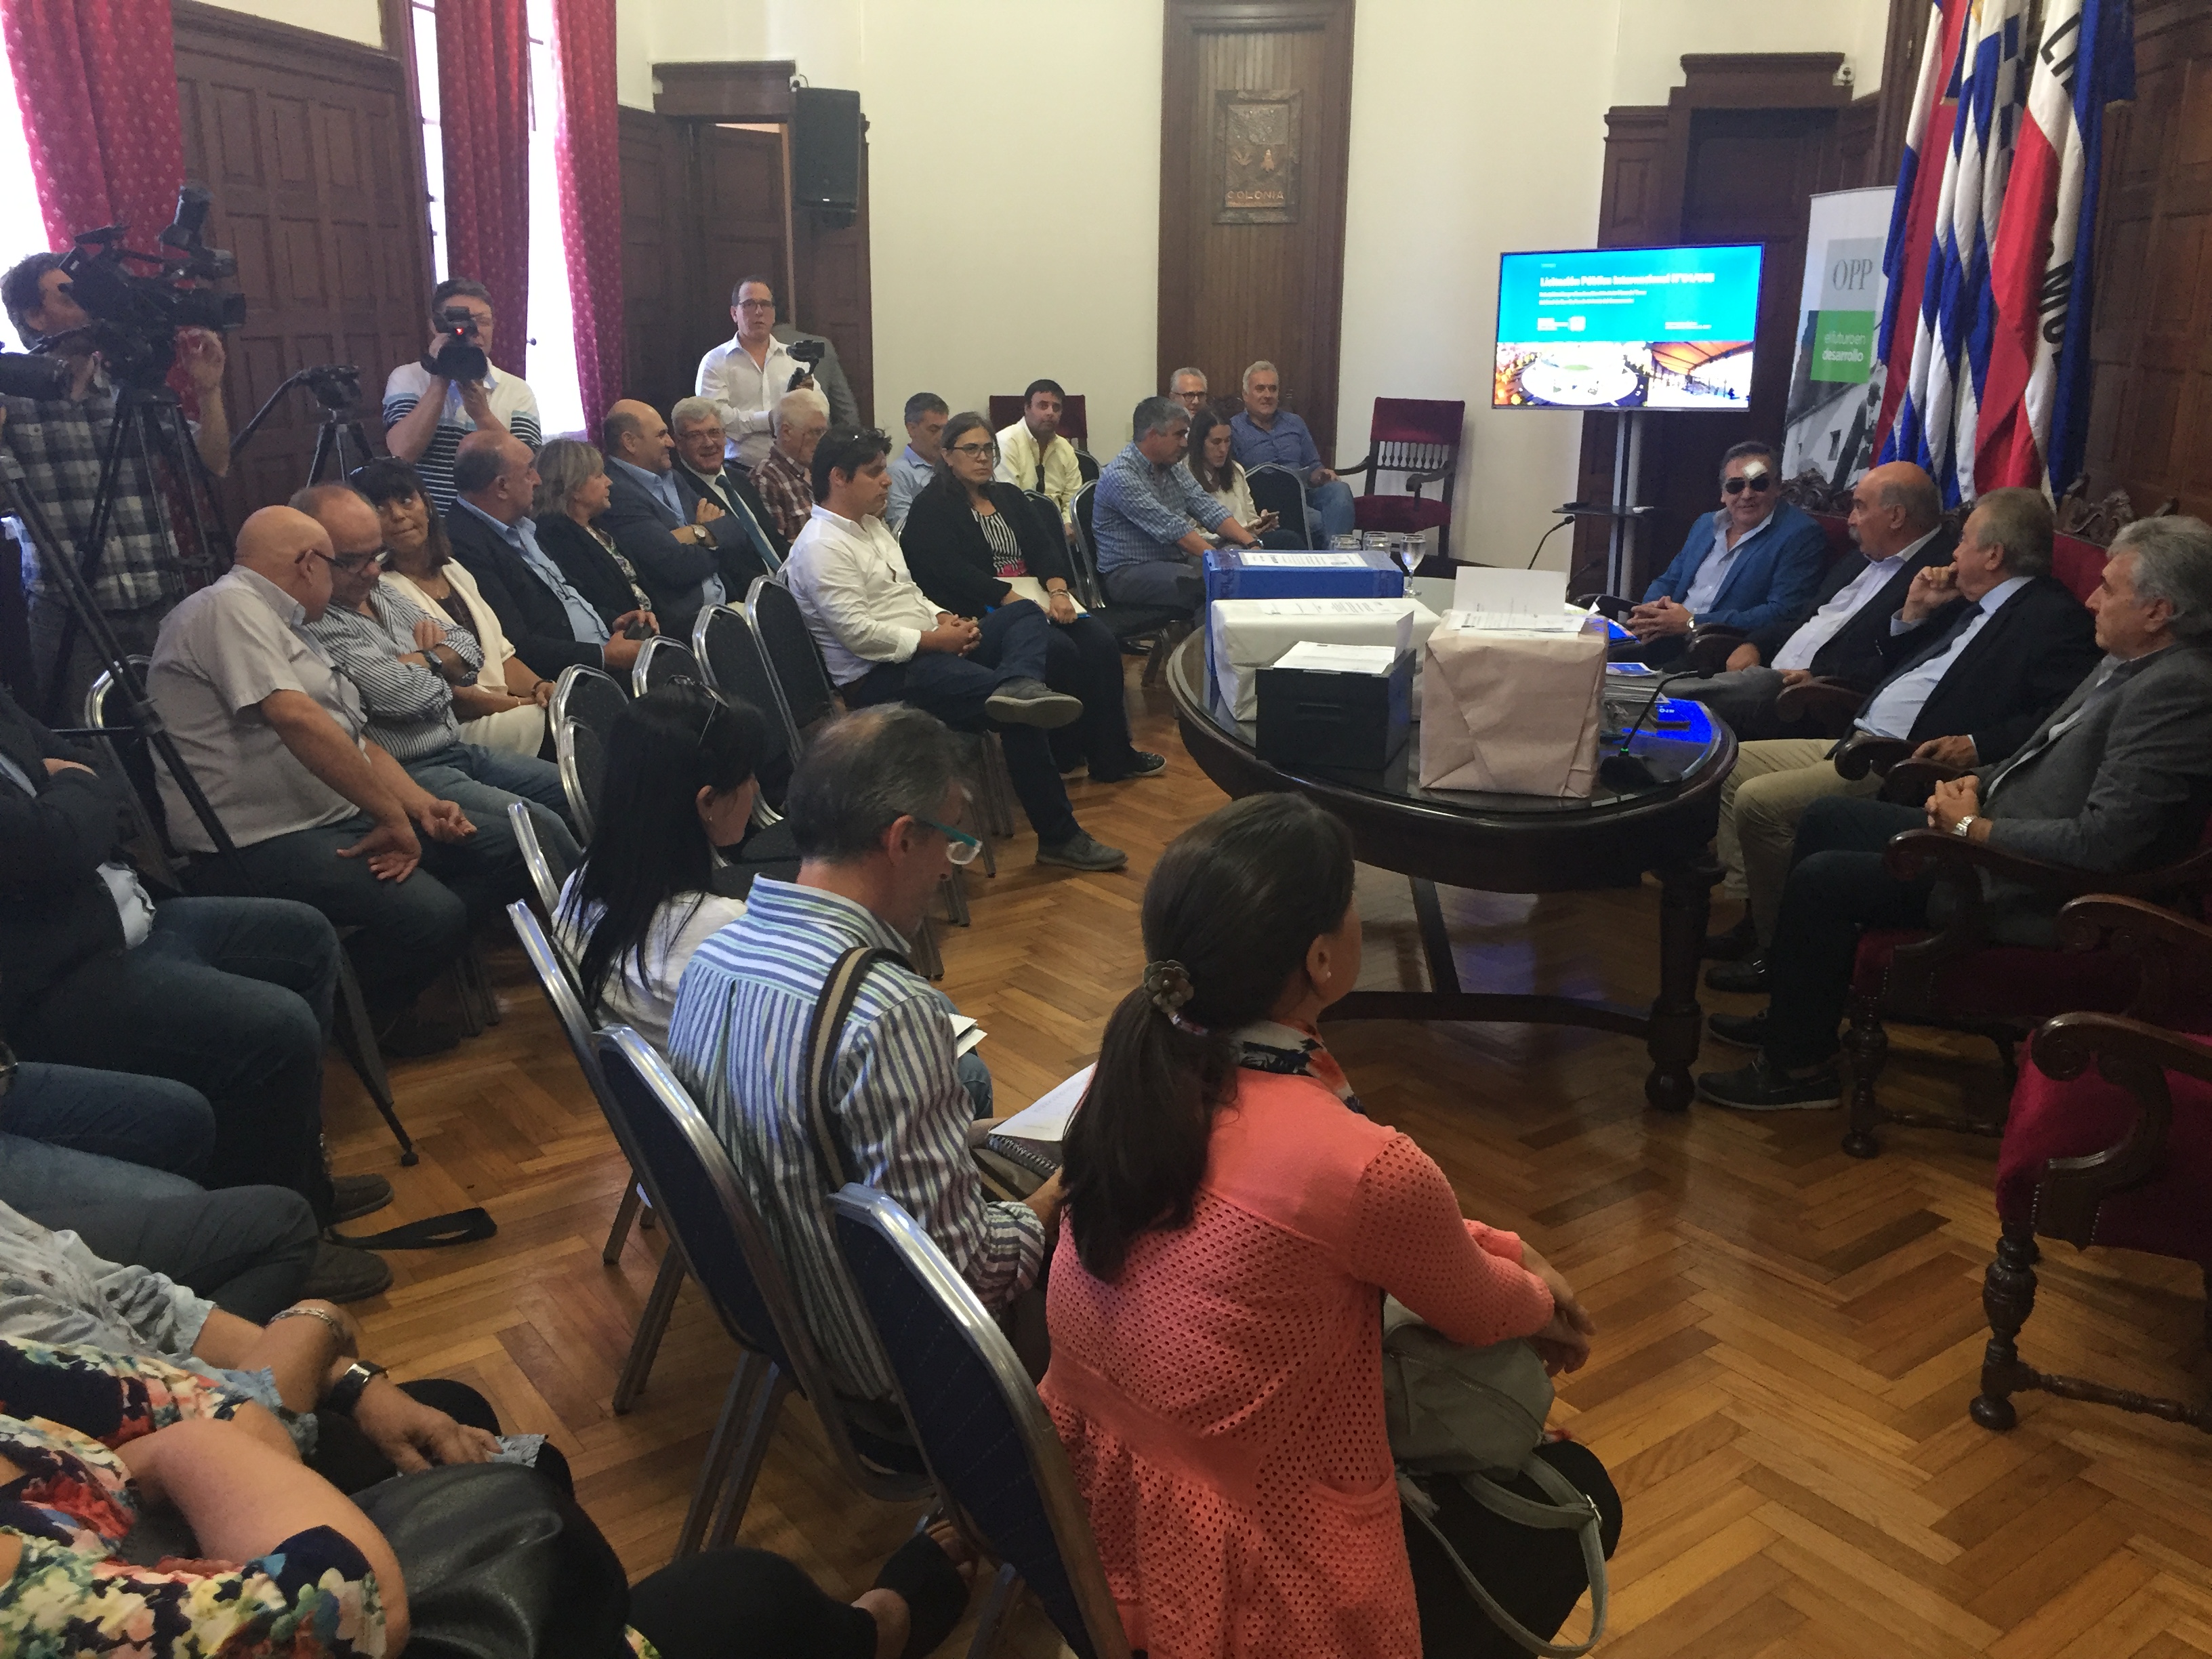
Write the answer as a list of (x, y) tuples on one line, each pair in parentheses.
[(339, 439)]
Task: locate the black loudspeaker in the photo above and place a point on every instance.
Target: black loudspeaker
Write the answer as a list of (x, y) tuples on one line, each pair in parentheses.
[(825, 153)]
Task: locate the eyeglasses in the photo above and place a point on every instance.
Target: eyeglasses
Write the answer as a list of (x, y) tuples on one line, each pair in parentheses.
[(1757, 483), (960, 846), (989, 451), (353, 563), (757, 305)]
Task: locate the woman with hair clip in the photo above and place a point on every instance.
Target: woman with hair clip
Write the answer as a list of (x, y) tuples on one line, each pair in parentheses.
[(1232, 1220), (678, 786)]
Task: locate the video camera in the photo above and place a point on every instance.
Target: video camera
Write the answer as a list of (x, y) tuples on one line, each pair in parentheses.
[(810, 353), (459, 358), (134, 318)]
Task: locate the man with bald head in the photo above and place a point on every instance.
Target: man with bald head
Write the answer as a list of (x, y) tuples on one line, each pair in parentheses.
[(549, 621), (406, 665), (668, 537), (276, 735)]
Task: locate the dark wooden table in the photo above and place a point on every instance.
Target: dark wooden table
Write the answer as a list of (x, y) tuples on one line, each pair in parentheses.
[(1514, 844)]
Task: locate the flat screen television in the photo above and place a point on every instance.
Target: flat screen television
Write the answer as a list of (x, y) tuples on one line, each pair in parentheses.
[(1627, 328)]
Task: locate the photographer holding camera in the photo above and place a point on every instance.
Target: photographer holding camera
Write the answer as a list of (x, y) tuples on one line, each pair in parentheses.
[(55, 446), (453, 390)]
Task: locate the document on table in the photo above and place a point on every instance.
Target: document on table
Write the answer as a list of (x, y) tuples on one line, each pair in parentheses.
[(1514, 622), (1483, 590), (1314, 656), (1301, 561)]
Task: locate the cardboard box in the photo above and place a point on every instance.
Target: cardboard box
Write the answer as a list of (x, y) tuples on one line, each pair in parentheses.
[(1232, 573), (1347, 707), (1511, 713), (1245, 635)]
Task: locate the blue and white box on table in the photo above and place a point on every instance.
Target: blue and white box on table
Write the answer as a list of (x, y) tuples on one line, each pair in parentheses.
[(1234, 572)]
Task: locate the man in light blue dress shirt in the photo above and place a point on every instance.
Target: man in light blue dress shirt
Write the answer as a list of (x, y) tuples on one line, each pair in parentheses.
[(913, 470)]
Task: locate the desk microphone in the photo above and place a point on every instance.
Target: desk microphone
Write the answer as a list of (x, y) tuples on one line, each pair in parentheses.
[(1624, 771)]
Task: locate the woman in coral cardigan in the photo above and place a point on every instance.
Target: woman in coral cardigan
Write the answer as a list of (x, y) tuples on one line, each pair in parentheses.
[(1233, 1219)]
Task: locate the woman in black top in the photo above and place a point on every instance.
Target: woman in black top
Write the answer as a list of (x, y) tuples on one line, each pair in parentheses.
[(572, 491), (966, 537)]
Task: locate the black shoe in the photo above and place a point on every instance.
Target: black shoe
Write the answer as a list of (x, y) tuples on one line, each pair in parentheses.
[(1079, 852), (1747, 975), (342, 1273), (1032, 702), (1744, 1030), (355, 1196), (1143, 764), (410, 1036), (1763, 1087), (1739, 941)]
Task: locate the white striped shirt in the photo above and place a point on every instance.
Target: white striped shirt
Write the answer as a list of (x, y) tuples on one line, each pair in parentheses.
[(511, 399), (738, 1039)]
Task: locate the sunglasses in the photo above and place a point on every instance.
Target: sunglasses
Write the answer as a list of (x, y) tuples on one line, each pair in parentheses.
[(1757, 483), (961, 847)]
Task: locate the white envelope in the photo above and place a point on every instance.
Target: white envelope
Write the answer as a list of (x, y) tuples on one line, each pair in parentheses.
[(1246, 635), (1511, 714)]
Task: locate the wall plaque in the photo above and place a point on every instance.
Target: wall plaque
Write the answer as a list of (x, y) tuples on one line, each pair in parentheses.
[(1255, 147)]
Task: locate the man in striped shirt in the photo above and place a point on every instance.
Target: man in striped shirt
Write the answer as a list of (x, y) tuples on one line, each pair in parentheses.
[(427, 414), (870, 808)]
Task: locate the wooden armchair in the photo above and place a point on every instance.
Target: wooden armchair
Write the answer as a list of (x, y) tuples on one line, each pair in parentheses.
[(2123, 1158), (1828, 705), (1956, 978)]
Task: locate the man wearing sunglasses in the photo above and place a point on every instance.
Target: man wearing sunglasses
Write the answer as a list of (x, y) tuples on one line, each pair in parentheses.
[(1751, 563)]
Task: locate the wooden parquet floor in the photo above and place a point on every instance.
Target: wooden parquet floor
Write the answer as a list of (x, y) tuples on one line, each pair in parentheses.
[(1787, 1338)]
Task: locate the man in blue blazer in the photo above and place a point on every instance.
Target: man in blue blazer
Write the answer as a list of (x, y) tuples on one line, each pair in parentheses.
[(1747, 566)]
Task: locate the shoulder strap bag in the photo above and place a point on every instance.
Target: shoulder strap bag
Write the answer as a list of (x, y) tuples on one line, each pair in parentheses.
[(1477, 1414), (831, 1008)]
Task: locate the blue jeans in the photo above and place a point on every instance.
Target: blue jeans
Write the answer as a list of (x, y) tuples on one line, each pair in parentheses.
[(482, 782), (248, 1249), (68, 1134), (1328, 508)]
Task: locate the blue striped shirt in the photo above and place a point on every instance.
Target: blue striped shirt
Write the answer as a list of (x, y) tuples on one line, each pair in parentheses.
[(738, 1041)]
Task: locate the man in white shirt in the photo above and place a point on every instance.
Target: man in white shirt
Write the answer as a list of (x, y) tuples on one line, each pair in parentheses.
[(914, 470), (1897, 519), (746, 376), (426, 413), (884, 641), (1034, 456)]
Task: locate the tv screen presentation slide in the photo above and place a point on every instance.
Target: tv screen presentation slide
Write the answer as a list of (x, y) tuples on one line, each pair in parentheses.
[(1627, 328)]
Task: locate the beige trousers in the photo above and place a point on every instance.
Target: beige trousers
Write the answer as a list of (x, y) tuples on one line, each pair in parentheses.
[(1773, 783)]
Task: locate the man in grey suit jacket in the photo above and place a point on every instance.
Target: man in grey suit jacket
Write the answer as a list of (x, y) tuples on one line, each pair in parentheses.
[(2118, 779), (828, 375), (667, 537)]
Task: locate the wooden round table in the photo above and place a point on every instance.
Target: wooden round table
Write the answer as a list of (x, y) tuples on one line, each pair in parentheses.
[(1513, 844)]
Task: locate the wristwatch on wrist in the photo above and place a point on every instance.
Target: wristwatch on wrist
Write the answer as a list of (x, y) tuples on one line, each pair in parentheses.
[(1960, 827), (345, 1393)]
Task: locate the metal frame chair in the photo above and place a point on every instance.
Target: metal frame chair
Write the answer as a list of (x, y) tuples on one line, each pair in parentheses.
[(1274, 485), (556, 978), (590, 694), (712, 1226), (581, 752), (989, 1443), (543, 876), (351, 1027), (659, 660), (1152, 629)]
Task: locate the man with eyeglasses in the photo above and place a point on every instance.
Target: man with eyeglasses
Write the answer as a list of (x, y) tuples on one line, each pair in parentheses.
[(406, 663), (1749, 565), (746, 376)]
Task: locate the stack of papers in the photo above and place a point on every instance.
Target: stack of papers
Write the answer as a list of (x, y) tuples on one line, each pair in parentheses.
[(1315, 657), (1524, 601), (1047, 1121), (1567, 622), (1301, 561), (966, 1034)]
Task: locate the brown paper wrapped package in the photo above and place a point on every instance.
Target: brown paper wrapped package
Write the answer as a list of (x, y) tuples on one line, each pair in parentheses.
[(1511, 714)]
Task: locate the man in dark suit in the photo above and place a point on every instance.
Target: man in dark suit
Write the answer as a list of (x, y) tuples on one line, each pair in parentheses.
[(1982, 648), (745, 537), (669, 541), (2119, 778), (1749, 565), (551, 623), (1897, 519)]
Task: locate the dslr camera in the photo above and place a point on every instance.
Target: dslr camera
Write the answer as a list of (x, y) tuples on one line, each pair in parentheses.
[(459, 358), (135, 315)]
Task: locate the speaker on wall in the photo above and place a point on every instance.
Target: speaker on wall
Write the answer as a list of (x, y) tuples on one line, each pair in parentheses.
[(825, 152)]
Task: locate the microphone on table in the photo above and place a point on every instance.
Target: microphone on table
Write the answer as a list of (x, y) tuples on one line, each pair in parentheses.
[(1624, 771)]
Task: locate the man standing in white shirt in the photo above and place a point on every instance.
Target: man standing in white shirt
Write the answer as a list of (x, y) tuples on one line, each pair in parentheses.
[(884, 641), (747, 376), (1897, 519), (428, 413)]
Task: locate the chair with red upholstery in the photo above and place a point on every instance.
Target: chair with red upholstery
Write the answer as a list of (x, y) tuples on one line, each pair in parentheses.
[(1420, 438), (2079, 564), (2120, 1156), (1955, 978)]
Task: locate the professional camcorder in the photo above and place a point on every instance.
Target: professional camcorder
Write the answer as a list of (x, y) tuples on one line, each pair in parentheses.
[(459, 358), (135, 316)]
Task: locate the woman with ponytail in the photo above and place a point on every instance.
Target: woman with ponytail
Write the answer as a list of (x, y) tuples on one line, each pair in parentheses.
[(1232, 1220)]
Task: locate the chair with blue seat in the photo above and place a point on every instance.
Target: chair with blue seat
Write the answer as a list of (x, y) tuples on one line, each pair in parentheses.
[(712, 1224), (984, 1433)]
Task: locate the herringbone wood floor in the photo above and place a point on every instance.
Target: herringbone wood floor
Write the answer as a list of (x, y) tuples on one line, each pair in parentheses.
[(1789, 1338)]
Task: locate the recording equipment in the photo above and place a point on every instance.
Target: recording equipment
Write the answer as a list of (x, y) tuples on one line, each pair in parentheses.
[(459, 358), (337, 387), (40, 378), (1624, 771), (810, 353), (136, 317), (826, 129)]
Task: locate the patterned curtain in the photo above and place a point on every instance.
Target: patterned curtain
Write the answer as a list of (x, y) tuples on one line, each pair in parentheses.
[(590, 195), (483, 113), (97, 81)]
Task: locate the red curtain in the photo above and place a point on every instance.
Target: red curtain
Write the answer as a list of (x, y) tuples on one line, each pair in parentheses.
[(483, 115), (591, 194), (97, 82)]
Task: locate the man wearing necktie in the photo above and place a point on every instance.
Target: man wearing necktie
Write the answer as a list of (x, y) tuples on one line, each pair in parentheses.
[(2118, 779), (666, 535), (744, 536)]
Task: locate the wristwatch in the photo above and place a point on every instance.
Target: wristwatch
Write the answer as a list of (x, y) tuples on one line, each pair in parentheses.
[(1960, 827), (345, 1393)]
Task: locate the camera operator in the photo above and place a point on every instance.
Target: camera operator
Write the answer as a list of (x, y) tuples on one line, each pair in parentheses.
[(427, 412), (748, 374), (55, 446)]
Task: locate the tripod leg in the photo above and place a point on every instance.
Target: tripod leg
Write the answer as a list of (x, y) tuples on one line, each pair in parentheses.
[(323, 441)]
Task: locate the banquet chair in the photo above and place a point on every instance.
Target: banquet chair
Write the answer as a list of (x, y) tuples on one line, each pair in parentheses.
[(1420, 439), (983, 1431), (589, 695), (660, 662), (2120, 1155), (545, 876), (1275, 489), (1148, 629), (714, 1228), (581, 750)]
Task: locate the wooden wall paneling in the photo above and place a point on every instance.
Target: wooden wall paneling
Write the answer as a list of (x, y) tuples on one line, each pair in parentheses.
[(759, 90), (1231, 294), (660, 261), (2151, 341), (309, 145), (742, 189), (833, 293)]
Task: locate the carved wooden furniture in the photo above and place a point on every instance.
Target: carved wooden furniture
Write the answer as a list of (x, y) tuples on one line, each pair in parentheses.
[(1420, 438), (2122, 1157)]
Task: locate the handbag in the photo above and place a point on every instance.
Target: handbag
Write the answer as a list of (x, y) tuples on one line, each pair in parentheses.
[(1477, 1415), (500, 1564)]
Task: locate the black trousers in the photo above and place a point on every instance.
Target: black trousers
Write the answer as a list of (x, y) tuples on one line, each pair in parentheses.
[(1838, 889), (350, 1460), (247, 1249), (727, 1601), (1084, 659)]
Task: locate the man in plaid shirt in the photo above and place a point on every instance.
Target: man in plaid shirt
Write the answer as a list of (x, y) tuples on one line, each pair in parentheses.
[(53, 448)]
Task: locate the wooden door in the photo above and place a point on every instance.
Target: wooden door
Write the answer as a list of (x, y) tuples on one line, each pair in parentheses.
[(1255, 122), (663, 333), (313, 155)]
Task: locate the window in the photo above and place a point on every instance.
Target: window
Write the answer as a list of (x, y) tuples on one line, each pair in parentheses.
[(550, 368)]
